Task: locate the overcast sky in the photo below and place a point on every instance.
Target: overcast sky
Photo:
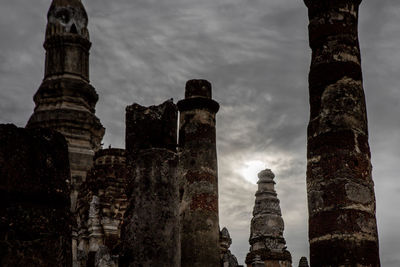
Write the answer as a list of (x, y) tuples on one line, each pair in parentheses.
[(256, 55)]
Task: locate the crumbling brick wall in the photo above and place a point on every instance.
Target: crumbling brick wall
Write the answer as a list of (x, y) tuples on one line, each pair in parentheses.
[(35, 219)]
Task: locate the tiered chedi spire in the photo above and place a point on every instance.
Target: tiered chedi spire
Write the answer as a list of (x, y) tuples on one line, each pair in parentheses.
[(225, 241), (303, 262), (341, 199), (266, 237), (65, 101)]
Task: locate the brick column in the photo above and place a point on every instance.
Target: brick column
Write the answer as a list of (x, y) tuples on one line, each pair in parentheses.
[(199, 177), (341, 200)]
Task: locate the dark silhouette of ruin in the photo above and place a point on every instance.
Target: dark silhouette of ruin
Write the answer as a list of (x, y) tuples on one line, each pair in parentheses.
[(66, 201)]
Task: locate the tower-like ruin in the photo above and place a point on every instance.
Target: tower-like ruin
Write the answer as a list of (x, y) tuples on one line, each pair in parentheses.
[(199, 176), (150, 234), (268, 246), (65, 101), (341, 200)]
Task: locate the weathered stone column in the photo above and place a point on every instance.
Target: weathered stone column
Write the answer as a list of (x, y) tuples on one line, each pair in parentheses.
[(35, 217), (341, 201), (266, 233), (199, 177), (150, 233)]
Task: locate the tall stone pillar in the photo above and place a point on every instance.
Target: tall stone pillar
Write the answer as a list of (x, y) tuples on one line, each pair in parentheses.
[(341, 200), (150, 233), (266, 233), (199, 177)]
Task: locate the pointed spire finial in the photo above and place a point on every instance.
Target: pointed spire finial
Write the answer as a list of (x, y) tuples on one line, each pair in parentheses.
[(67, 17)]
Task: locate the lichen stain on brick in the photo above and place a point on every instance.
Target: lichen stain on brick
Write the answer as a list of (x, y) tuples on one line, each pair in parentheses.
[(205, 202)]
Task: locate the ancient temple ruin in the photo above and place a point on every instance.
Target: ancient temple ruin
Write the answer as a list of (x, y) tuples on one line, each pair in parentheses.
[(101, 206), (66, 201), (65, 101), (268, 246)]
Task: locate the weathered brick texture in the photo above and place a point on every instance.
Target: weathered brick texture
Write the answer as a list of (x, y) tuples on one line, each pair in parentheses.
[(341, 200), (198, 176), (150, 233)]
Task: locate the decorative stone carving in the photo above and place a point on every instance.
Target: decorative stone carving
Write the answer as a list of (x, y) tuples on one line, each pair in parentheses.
[(101, 206)]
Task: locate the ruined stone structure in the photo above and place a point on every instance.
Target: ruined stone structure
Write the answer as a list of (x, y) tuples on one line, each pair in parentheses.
[(35, 221), (150, 234), (199, 177), (341, 200), (101, 206), (303, 262), (226, 257), (65, 101), (266, 233), (156, 204)]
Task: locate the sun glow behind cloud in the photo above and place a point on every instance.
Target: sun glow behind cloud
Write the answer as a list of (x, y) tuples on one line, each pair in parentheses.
[(250, 170)]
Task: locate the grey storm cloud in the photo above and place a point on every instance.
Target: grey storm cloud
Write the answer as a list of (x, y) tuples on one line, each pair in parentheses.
[(256, 54)]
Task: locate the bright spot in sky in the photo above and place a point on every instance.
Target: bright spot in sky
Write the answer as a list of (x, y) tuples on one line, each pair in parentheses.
[(251, 169)]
